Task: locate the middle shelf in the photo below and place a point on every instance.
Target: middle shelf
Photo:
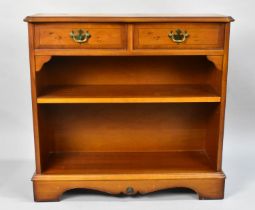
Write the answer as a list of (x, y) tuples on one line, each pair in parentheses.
[(128, 94)]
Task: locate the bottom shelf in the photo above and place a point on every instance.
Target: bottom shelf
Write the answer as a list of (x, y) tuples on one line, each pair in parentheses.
[(110, 163), (128, 173)]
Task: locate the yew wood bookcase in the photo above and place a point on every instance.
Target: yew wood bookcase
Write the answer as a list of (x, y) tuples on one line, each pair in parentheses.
[(128, 104)]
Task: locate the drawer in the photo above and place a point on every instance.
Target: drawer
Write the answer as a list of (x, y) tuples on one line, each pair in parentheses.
[(85, 35), (173, 36)]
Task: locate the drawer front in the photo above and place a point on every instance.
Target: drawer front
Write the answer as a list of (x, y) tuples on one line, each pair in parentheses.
[(167, 36), (91, 36)]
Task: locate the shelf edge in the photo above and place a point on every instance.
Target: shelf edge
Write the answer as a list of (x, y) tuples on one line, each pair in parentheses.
[(42, 100), (198, 175)]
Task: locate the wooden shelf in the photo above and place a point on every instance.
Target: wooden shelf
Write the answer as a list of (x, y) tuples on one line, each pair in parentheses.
[(103, 163), (128, 94)]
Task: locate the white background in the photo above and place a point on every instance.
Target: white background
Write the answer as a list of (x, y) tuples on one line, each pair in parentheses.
[(16, 133)]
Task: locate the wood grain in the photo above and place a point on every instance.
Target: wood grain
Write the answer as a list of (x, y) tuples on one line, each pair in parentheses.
[(128, 94), (103, 36), (109, 70), (201, 36), (40, 61), (101, 163), (206, 185), (129, 108), (39, 151), (216, 60), (127, 127), (121, 52), (127, 18)]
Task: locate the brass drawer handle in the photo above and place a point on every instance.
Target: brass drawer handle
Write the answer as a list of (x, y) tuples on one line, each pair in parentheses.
[(179, 36), (130, 191), (80, 36)]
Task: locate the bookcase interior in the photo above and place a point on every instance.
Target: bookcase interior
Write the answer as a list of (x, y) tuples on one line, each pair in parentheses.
[(88, 137)]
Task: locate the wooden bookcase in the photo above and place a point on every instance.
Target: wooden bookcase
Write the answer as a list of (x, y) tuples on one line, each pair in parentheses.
[(128, 104)]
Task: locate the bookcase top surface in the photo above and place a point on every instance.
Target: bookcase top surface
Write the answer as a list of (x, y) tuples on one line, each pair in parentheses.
[(128, 18)]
